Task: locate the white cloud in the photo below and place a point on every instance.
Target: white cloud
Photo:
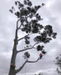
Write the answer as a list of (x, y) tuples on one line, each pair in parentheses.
[(49, 3)]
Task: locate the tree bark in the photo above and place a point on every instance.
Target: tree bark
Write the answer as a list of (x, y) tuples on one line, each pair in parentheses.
[(12, 65)]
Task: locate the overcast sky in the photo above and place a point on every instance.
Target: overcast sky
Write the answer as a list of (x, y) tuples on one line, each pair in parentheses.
[(51, 14)]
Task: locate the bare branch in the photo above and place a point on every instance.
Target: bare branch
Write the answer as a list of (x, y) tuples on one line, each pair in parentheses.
[(17, 23), (28, 48), (16, 71), (23, 37), (33, 61), (24, 49)]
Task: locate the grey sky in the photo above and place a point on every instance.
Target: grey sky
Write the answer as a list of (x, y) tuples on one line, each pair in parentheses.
[(51, 13)]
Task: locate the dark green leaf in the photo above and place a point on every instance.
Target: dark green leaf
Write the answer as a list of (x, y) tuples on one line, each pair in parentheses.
[(27, 54)]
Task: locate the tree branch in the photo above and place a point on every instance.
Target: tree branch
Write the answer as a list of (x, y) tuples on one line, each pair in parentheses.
[(22, 37), (28, 48), (16, 71), (17, 23), (33, 61)]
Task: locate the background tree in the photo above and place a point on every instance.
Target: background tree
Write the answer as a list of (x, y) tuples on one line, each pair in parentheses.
[(58, 62), (39, 74), (29, 19)]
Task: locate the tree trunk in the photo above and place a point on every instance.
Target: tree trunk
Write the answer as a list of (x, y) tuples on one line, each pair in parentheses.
[(12, 65), (12, 70)]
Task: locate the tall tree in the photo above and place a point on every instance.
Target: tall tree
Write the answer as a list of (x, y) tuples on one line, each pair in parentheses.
[(58, 62), (29, 19)]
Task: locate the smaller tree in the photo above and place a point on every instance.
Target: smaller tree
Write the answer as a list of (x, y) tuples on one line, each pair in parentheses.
[(58, 62), (39, 74)]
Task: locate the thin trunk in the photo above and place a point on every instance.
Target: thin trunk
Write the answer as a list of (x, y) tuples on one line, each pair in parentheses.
[(12, 65)]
